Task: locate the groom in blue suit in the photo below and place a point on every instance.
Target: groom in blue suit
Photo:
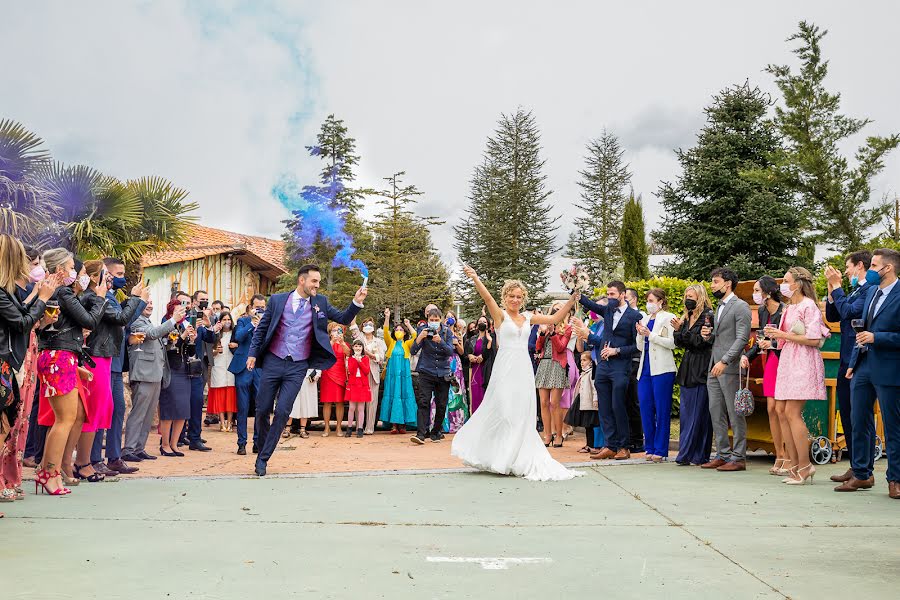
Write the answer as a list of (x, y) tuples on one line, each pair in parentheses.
[(873, 373), (290, 339)]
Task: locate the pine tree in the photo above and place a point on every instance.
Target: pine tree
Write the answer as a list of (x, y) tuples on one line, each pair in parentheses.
[(338, 151), (836, 197), (595, 241), (716, 216), (635, 250), (406, 272), (508, 231)]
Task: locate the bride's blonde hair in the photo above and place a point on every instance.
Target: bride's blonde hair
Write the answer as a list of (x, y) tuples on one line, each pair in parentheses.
[(509, 286)]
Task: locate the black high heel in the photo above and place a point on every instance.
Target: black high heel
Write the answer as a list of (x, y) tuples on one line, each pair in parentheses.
[(164, 453), (562, 439), (93, 478), (548, 444)]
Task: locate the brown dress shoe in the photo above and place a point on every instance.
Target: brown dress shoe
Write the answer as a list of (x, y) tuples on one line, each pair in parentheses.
[(894, 489), (603, 454), (623, 454), (842, 478), (737, 465), (714, 464), (122, 467), (854, 484)]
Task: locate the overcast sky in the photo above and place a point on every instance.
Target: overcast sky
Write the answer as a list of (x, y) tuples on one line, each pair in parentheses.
[(221, 97)]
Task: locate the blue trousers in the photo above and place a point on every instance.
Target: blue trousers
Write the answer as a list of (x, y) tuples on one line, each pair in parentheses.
[(611, 382), (282, 379), (864, 394), (845, 406), (247, 384), (655, 397), (195, 423), (114, 433), (695, 439)]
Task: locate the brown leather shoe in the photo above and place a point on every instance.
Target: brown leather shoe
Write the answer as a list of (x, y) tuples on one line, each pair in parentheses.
[(122, 467), (737, 465), (842, 478), (603, 454), (101, 468), (623, 454), (854, 484), (894, 489), (714, 464)]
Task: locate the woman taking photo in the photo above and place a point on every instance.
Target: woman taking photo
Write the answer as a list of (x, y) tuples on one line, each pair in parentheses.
[(102, 343), (767, 295), (222, 399), (58, 369), (801, 370), (695, 436), (175, 396), (481, 350), (656, 374), (20, 312)]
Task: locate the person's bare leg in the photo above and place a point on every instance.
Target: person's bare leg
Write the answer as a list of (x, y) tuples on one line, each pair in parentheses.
[(83, 452), (775, 428), (546, 419), (339, 407), (165, 433), (800, 433), (65, 412), (790, 450), (74, 437), (556, 420), (175, 433), (326, 416)]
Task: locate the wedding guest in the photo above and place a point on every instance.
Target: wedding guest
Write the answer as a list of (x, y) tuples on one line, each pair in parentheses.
[(376, 350), (398, 403), (481, 351), (435, 341), (457, 409), (58, 372), (306, 406), (175, 398), (801, 370), (37, 434), (656, 374), (767, 295), (358, 392), (246, 381), (695, 432), (334, 381), (222, 398), (632, 401), (552, 377), (583, 412)]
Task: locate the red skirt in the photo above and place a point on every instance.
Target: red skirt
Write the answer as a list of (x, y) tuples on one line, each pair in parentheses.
[(770, 374), (331, 391), (222, 400), (57, 376)]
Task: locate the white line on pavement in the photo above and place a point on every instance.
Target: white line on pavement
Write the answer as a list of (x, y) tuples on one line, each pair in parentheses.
[(490, 563)]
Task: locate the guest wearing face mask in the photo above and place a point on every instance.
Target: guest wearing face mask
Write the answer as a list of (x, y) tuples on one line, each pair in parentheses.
[(481, 351), (333, 391), (767, 295), (656, 374), (358, 392), (222, 399), (398, 403), (376, 350)]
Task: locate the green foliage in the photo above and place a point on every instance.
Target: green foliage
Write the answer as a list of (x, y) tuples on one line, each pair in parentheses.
[(508, 232), (836, 197), (635, 250), (715, 214), (595, 242)]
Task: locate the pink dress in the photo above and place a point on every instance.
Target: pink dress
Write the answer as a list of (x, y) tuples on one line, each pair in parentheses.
[(801, 370)]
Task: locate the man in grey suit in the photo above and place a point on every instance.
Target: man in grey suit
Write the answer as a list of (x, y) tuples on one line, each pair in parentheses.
[(147, 361), (730, 332)]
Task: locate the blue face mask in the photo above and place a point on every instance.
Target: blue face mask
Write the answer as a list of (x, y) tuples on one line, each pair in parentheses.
[(873, 277), (613, 303), (854, 281), (118, 283), (451, 321)]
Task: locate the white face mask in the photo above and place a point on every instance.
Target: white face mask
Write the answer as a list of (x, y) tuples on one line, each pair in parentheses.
[(368, 328), (84, 281), (652, 308)]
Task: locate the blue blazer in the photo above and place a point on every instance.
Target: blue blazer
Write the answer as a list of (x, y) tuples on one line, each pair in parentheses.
[(844, 309), (623, 336), (884, 352), (321, 356), (243, 336)]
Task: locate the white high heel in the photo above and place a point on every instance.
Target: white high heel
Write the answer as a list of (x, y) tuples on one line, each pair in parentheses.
[(804, 480)]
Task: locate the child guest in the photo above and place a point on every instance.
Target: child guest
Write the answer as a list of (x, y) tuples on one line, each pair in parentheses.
[(358, 392)]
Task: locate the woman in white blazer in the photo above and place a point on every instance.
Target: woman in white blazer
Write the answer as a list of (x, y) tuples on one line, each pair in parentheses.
[(656, 374)]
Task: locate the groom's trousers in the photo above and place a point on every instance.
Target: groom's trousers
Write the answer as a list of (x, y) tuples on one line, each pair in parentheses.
[(282, 379), (611, 382)]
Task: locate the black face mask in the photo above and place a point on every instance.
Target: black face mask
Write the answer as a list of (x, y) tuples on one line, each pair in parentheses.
[(482, 327), (718, 294), (690, 304)]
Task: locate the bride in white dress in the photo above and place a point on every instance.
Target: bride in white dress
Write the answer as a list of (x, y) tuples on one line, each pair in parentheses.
[(501, 436)]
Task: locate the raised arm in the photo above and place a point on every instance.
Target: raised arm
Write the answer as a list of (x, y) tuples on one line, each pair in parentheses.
[(489, 302), (86, 319), (559, 315)]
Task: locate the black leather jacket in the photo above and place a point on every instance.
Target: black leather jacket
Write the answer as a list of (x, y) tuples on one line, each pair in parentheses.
[(106, 338), (73, 317), (16, 322)]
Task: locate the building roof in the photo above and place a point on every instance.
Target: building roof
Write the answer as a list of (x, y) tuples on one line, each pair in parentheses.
[(260, 253)]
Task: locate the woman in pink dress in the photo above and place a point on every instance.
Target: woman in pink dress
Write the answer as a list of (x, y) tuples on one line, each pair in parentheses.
[(801, 371)]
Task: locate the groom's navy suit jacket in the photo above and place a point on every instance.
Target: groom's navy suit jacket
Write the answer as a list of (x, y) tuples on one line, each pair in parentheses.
[(321, 356)]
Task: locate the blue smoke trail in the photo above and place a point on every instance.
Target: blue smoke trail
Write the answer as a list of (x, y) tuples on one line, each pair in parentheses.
[(319, 218)]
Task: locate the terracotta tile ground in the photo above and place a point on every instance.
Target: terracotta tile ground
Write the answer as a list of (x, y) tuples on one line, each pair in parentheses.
[(379, 452)]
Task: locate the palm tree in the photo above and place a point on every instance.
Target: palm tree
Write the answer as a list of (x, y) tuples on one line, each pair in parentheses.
[(25, 209)]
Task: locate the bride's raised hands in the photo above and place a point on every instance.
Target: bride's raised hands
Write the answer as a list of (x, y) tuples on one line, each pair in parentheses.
[(559, 315), (491, 304)]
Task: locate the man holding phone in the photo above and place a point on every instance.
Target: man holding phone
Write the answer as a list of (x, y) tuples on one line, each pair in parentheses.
[(198, 318), (246, 381), (436, 344)]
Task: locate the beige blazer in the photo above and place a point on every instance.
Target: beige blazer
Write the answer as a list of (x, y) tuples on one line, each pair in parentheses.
[(662, 344)]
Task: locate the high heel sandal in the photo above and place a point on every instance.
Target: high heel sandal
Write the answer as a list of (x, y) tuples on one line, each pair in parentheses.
[(42, 478), (791, 473), (92, 478), (562, 439), (804, 480), (776, 468), (784, 471), (547, 444)]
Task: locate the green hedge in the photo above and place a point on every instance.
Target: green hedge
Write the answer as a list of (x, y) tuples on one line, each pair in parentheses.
[(674, 289)]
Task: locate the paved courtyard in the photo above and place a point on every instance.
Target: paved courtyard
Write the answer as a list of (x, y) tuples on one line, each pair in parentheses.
[(621, 531)]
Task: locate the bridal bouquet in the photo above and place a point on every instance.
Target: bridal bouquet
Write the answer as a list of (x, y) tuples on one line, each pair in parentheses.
[(576, 279)]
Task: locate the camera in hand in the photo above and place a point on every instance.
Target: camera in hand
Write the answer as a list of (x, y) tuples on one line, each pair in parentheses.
[(203, 305)]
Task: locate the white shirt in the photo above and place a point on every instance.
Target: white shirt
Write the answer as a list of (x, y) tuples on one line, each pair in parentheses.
[(884, 294), (618, 315), (722, 304)]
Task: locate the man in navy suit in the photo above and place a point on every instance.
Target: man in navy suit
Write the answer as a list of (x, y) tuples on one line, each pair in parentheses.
[(873, 373), (290, 339), (843, 308), (246, 381), (617, 346)]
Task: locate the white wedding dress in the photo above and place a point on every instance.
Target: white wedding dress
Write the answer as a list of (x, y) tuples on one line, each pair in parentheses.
[(501, 436)]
